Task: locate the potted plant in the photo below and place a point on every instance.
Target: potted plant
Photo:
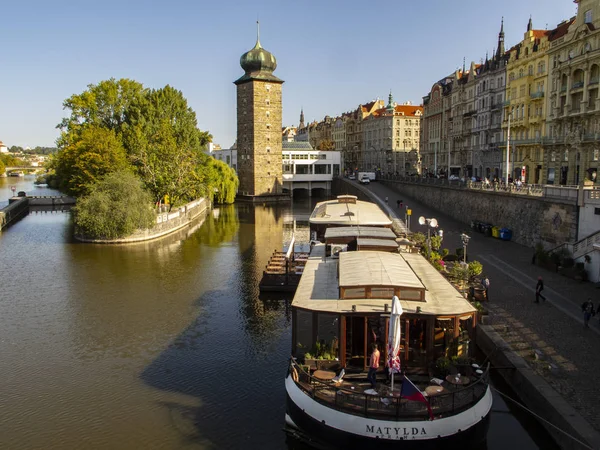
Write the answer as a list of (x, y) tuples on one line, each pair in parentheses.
[(442, 366)]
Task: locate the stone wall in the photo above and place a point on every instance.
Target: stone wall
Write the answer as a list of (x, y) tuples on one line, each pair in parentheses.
[(532, 219), (259, 138), (166, 223), (13, 212)]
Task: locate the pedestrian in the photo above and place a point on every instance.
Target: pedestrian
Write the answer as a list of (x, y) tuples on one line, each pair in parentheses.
[(373, 366), (539, 287), (587, 308), (399, 204), (486, 286), (386, 200)]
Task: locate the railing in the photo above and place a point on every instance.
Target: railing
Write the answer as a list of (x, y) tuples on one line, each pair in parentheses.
[(387, 407), (585, 245), (593, 81), (577, 85), (539, 94)]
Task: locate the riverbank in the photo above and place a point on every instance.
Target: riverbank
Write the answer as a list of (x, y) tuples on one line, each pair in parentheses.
[(166, 223), (554, 329)]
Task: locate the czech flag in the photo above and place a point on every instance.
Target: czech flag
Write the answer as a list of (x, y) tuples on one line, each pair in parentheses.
[(411, 392)]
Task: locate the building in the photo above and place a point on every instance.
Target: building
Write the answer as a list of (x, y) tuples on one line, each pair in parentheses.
[(572, 150), (435, 146), (391, 138), (306, 168), (259, 127), (487, 120), (3, 148), (228, 156), (525, 108)]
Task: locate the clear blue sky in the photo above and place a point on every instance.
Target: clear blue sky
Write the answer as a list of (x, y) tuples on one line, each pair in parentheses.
[(332, 55)]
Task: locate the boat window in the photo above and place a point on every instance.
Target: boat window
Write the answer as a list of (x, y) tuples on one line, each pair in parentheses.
[(354, 293), (327, 336), (443, 337), (304, 334), (409, 294), (465, 335), (382, 293)]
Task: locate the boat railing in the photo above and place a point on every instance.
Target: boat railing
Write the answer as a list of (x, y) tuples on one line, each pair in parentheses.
[(386, 406)]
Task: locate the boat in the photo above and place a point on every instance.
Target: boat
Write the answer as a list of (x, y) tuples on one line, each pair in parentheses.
[(341, 307), (16, 174)]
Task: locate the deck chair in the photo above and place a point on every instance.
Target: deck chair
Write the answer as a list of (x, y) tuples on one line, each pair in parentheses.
[(337, 380)]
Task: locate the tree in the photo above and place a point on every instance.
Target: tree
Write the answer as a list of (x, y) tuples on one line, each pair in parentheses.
[(86, 157), (115, 207), (2, 167), (326, 144), (165, 144), (105, 105)]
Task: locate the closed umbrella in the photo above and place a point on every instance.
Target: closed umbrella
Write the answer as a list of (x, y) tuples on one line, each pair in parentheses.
[(394, 338)]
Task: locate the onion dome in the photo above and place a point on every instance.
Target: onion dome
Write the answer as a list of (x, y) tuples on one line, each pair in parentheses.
[(258, 60)]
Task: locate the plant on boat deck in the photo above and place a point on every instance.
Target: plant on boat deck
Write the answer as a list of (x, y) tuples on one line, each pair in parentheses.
[(442, 365)]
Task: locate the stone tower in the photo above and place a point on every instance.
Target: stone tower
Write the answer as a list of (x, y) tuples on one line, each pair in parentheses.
[(259, 127)]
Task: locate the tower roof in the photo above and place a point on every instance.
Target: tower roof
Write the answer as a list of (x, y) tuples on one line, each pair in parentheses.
[(258, 64)]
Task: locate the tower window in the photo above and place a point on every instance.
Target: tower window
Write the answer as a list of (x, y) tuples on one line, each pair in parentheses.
[(268, 113), (588, 16), (268, 102), (267, 86), (268, 149)]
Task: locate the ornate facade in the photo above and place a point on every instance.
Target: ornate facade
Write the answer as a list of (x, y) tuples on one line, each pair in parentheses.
[(573, 150)]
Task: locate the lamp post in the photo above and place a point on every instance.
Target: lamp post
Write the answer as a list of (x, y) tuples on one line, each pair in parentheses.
[(465, 242), (431, 223)]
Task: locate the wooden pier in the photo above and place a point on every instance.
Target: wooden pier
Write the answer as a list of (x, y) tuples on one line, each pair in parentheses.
[(283, 271)]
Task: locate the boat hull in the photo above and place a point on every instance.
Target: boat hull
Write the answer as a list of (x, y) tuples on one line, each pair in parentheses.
[(349, 431)]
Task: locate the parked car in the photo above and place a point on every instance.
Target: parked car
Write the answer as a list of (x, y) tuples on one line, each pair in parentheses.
[(365, 180), (352, 177), (453, 178)]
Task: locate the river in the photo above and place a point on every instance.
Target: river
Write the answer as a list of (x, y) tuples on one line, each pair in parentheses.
[(159, 345)]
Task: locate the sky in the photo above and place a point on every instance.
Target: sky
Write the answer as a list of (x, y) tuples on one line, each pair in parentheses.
[(333, 55)]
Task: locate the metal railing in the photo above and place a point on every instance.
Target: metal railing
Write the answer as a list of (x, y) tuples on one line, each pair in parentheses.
[(384, 406)]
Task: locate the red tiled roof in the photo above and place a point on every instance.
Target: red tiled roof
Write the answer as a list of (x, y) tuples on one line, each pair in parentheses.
[(560, 30), (408, 110), (540, 33)]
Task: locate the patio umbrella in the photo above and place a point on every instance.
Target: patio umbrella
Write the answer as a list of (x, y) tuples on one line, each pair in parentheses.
[(394, 338)]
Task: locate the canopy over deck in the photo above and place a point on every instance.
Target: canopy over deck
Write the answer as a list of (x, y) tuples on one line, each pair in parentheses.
[(341, 212), (358, 231), (319, 288)]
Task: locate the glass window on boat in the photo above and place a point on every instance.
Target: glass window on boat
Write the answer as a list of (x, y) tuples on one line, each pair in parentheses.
[(443, 336), (376, 329), (327, 336), (304, 332), (417, 342), (381, 292), (410, 294), (354, 293), (465, 334)]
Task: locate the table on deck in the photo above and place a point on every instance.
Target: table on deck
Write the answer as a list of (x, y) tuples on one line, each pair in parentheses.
[(432, 391), (462, 380), (324, 375)]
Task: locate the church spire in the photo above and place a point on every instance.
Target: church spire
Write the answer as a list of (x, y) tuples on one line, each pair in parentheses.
[(500, 52), (529, 24), (301, 125), (390, 104)]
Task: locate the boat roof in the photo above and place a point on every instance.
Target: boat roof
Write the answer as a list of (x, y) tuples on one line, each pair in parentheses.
[(373, 268), (319, 289), (343, 212), (358, 231), (368, 242)]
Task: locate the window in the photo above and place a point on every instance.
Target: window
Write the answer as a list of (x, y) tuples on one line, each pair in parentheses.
[(596, 155), (321, 169), (381, 292), (354, 293), (588, 16)]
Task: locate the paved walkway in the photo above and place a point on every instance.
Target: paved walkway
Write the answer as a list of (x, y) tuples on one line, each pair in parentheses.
[(570, 353)]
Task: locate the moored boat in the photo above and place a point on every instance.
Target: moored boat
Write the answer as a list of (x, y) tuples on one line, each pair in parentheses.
[(341, 308)]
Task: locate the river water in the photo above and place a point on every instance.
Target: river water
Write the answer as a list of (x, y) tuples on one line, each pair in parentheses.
[(158, 345)]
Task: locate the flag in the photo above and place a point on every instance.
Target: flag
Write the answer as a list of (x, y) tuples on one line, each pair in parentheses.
[(411, 392)]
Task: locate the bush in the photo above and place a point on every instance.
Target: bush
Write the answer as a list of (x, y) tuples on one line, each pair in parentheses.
[(475, 269), (115, 207)]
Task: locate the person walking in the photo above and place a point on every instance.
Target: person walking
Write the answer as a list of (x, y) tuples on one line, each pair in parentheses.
[(588, 311), (486, 286), (386, 200), (373, 366), (538, 290)]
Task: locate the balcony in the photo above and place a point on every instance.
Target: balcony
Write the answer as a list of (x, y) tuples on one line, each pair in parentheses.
[(577, 85), (563, 89), (593, 81), (506, 103), (537, 95)]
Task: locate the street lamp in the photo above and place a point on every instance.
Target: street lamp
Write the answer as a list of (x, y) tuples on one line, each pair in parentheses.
[(431, 223), (465, 242)]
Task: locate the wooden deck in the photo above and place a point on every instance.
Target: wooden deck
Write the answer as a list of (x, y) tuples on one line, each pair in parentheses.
[(282, 274)]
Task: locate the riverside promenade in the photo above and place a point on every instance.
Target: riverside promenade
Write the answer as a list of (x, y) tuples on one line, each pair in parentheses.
[(568, 354)]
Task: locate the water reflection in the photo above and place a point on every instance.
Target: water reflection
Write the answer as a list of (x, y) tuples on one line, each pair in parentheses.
[(164, 344)]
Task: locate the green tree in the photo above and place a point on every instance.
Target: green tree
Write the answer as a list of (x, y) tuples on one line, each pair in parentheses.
[(86, 157), (165, 144), (2, 167), (115, 207), (105, 105)]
